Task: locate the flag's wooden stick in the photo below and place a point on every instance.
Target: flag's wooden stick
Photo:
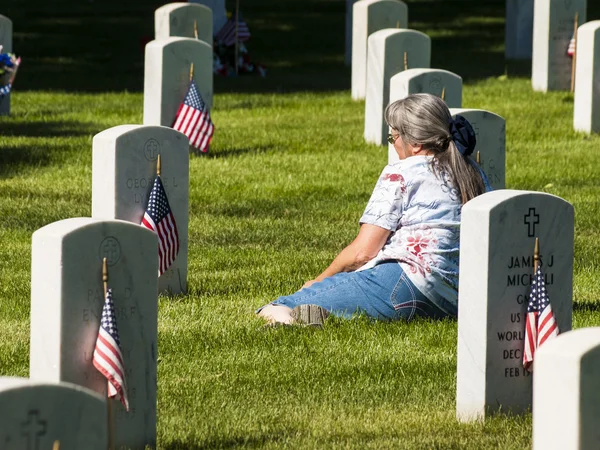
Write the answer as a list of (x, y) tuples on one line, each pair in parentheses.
[(108, 400), (405, 61), (237, 45), (158, 165), (398, 24), (56, 445), (195, 29), (191, 72), (444, 93), (478, 158), (536, 255), (574, 62)]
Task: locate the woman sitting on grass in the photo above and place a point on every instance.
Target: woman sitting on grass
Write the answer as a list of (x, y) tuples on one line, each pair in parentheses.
[(404, 261)]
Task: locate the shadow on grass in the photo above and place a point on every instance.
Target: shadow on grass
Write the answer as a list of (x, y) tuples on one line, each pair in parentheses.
[(229, 152), (17, 160), (586, 306), (48, 129), (224, 442)]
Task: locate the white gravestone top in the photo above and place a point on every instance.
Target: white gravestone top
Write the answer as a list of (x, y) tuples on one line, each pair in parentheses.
[(587, 79), (34, 415), (519, 29), (497, 239), (6, 32), (427, 81), (123, 173), (167, 77), (218, 10), (178, 19), (553, 26), (67, 298), (566, 392), (390, 51), (369, 16)]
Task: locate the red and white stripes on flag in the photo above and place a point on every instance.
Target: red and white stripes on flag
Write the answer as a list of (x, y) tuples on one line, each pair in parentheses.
[(108, 358), (193, 119), (159, 218), (540, 324), (571, 49)]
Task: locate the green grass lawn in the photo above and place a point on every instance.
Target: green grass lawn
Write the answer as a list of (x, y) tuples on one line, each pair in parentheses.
[(278, 196)]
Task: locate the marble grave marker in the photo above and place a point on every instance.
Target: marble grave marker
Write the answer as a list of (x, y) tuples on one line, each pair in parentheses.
[(387, 49), (369, 16), (518, 37), (219, 13), (497, 239), (566, 392), (33, 415), (6, 32), (427, 81), (553, 26), (178, 19), (587, 79), (167, 76), (123, 172), (66, 306)]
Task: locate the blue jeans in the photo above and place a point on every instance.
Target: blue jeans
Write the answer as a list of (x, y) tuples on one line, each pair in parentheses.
[(382, 292)]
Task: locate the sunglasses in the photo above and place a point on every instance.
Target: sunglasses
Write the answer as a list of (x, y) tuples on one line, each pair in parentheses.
[(391, 139)]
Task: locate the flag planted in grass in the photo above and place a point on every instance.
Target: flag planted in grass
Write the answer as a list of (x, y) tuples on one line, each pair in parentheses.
[(108, 358), (193, 119), (227, 33), (540, 324), (159, 218)]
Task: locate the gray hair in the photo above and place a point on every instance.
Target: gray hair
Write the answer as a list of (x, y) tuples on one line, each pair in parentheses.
[(424, 119)]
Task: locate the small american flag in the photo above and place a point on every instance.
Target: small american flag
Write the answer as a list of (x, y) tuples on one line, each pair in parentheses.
[(159, 218), (193, 119), (571, 49), (107, 354), (540, 324), (226, 34)]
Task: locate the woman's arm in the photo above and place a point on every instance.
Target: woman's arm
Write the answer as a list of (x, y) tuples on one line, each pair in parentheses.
[(363, 248)]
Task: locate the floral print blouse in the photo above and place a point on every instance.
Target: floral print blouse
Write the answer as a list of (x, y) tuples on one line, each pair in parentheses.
[(422, 211)]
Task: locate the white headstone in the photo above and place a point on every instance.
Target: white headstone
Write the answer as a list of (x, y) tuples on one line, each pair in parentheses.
[(6, 32), (34, 415), (387, 52), (566, 392), (369, 16), (587, 79), (553, 26), (219, 12), (490, 130), (519, 29), (427, 81), (123, 172), (349, 10), (178, 19), (497, 239), (66, 305), (167, 76)]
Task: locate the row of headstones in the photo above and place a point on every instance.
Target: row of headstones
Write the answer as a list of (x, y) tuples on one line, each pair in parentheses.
[(543, 34), (67, 297), (498, 231)]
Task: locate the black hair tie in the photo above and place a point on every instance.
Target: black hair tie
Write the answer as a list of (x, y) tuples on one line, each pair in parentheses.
[(463, 135)]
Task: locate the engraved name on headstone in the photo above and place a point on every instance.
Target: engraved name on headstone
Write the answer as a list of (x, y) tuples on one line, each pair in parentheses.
[(67, 297), (123, 171), (497, 239)]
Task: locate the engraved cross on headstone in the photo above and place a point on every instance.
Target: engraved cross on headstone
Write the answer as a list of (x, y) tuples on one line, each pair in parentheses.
[(531, 219), (111, 250), (33, 429)]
